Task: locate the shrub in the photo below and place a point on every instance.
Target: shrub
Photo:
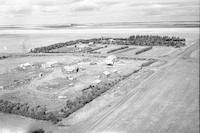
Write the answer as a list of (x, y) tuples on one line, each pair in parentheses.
[(88, 94), (113, 50), (148, 63), (35, 129), (37, 112), (92, 50), (138, 40), (143, 50)]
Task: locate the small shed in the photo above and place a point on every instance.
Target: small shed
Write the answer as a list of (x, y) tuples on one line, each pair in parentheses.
[(25, 65), (106, 73), (110, 60), (62, 97), (91, 43), (69, 78), (111, 40), (71, 69)]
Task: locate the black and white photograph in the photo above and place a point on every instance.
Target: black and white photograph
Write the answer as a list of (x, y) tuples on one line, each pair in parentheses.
[(99, 66)]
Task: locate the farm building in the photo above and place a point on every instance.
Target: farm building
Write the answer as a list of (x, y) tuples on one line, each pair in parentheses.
[(71, 69), (110, 60)]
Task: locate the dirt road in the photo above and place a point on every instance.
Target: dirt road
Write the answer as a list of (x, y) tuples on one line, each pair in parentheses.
[(167, 102)]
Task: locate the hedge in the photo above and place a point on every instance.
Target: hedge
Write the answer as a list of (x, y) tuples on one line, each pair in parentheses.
[(143, 50), (113, 50), (37, 112)]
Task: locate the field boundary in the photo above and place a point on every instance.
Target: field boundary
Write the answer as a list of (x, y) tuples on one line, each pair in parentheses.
[(41, 113)]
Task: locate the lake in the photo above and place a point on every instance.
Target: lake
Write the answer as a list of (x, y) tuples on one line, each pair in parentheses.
[(15, 41)]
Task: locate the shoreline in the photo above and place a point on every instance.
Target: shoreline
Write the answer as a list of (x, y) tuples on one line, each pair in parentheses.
[(14, 41), (97, 30)]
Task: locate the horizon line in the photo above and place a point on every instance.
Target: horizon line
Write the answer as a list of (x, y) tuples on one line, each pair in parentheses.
[(196, 21)]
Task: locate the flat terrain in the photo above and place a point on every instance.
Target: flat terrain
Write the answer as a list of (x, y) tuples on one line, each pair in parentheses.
[(165, 102), (162, 97), (55, 86)]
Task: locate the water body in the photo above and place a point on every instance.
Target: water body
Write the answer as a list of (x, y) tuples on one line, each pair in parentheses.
[(22, 40)]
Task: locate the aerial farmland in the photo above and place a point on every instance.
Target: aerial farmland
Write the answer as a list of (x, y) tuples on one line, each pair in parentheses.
[(64, 84)]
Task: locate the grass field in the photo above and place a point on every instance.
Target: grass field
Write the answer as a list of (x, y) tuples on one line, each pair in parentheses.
[(26, 86)]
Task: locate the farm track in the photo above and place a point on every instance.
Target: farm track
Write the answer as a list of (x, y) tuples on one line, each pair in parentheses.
[(98, 122), (106, 113)]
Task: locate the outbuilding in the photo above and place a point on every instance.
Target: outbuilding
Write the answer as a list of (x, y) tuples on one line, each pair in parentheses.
[(71, 69), (91, 43), (110, 60)]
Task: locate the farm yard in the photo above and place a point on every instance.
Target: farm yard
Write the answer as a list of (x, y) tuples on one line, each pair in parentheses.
[(69, 83), (62, 84), (54, 80)]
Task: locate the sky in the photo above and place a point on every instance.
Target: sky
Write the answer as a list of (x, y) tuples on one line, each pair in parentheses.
[(21, 12)]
